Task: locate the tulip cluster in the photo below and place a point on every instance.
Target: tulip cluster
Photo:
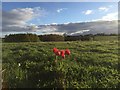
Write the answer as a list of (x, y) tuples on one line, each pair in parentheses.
[(61, 53)]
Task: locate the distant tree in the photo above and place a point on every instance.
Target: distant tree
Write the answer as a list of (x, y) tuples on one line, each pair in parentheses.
[(72, 38), (113, 34), (21, 38), (51, 37), (79, 38)]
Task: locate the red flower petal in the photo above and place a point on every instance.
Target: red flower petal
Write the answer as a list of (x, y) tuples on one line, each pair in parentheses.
[(55, 50), (58, 53), (63, 56), (67, 51)]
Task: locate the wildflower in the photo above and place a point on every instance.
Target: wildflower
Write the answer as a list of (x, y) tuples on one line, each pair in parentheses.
[(67, 51), (63, 56), (55, 50), (58, 53), (63, 53), (19, 64)]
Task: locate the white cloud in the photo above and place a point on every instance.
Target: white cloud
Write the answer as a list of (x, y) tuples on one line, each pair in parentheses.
[(75, 28), (61, 9), (78, 32), (87, 12), (81, 28), (110, 17), (53, 23), (103, 9), (66, 23), (59, 33), (16, 19)]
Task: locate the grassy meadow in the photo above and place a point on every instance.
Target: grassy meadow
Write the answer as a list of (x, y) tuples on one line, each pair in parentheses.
[(91, 64)]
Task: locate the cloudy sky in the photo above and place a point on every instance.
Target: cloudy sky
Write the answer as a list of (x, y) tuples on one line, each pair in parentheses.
[(58, 17)]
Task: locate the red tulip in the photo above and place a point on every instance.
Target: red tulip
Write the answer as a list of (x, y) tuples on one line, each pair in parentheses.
[(58, 53), (63, 55), (55, 50), (62, 52), (67, 51)]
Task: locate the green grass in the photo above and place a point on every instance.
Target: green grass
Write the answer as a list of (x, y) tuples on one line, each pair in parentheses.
[(92, 64), (105, 38)]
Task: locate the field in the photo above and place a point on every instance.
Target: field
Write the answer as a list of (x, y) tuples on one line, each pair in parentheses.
[(92, 64)]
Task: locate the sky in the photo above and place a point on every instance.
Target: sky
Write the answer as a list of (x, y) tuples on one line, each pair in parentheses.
[(27, 16)]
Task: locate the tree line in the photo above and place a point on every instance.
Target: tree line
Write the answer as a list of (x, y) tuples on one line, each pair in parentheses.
[(50, 37), (21, 38)]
